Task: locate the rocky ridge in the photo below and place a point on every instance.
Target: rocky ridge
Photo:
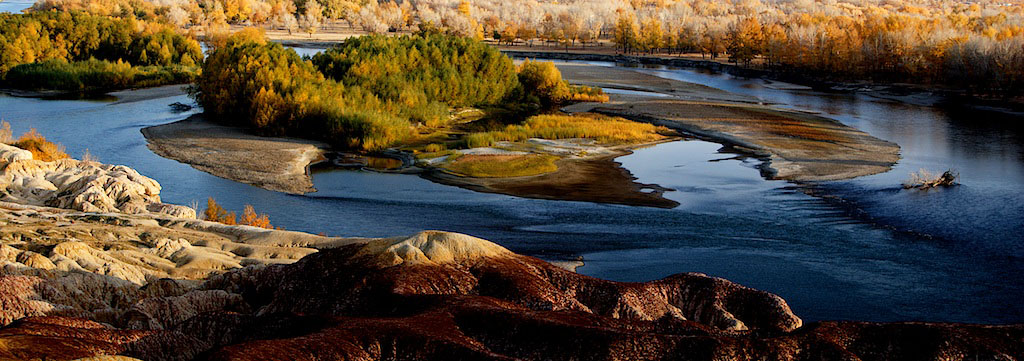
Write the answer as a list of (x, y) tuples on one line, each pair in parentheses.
[(439, 295), (80, 185)]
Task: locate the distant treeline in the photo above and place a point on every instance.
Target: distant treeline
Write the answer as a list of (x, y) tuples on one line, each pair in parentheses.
[(367, 93), (78, 51), (977, 45)]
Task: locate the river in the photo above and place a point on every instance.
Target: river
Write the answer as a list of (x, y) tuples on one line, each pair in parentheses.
[(860, 249), (15, 6)]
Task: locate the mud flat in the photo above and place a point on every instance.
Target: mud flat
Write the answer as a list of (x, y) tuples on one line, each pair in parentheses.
[(796, 146), (596, 179), (278, 164)]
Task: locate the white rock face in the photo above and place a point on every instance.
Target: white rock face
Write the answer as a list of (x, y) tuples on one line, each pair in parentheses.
[(83, 186), (10, 154)]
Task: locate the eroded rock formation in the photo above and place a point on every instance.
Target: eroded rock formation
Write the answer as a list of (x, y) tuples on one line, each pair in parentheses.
[(80, 185)]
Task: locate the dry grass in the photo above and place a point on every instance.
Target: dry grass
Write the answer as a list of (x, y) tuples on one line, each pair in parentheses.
[(88, 157), (41, 148), (502, 166), (6, 136), (604, 129)]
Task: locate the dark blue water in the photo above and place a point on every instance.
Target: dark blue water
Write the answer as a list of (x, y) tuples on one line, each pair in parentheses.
[(875, 253)]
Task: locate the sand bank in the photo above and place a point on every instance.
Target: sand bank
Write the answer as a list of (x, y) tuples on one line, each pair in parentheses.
[(278, 164), (796, 146)]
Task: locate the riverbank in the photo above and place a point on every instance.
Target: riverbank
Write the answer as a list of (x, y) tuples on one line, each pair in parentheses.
[(119, 96), (278, 164), (915, 94), (796, 146)]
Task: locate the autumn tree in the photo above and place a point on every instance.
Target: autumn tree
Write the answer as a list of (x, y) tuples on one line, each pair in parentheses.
[(251, 218), (215, 213), (626, 33), (745, 40), (543, 79), (651, 35), (312, 17)]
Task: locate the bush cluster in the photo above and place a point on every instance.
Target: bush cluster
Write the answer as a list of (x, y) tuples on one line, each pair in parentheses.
[(424, 74), (366, 93), (252, 82), (41, 148)]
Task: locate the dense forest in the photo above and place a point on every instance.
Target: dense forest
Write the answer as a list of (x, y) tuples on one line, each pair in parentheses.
[(977, 45), (252, 82), (78, 51), (368, 92)]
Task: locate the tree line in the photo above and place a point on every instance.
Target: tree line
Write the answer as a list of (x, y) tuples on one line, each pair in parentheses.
[(75, 50), (977, 45)]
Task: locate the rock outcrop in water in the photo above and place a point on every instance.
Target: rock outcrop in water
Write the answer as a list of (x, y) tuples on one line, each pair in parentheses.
[(78, 185)]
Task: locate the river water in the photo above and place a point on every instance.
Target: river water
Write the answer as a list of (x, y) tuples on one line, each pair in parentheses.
[(860, 249), (15, 6)]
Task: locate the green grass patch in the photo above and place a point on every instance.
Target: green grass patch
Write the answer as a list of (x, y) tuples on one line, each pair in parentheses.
[(502, 166), (604, 129)]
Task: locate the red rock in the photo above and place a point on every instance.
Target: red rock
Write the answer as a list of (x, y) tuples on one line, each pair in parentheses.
[(434, 296)]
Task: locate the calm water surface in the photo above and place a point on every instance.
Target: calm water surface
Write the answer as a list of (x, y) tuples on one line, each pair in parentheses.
[(863, 249), (15, 6)]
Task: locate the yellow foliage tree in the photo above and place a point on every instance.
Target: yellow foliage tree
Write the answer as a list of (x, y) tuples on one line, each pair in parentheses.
[(250, 218), (215, 213)]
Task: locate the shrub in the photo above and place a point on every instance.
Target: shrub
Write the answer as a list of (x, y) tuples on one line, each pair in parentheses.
[(6, 136), (543, 80), (477, 140), (215, 213), (250, 218), (581, 93), (41, 148), (434, 148)]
